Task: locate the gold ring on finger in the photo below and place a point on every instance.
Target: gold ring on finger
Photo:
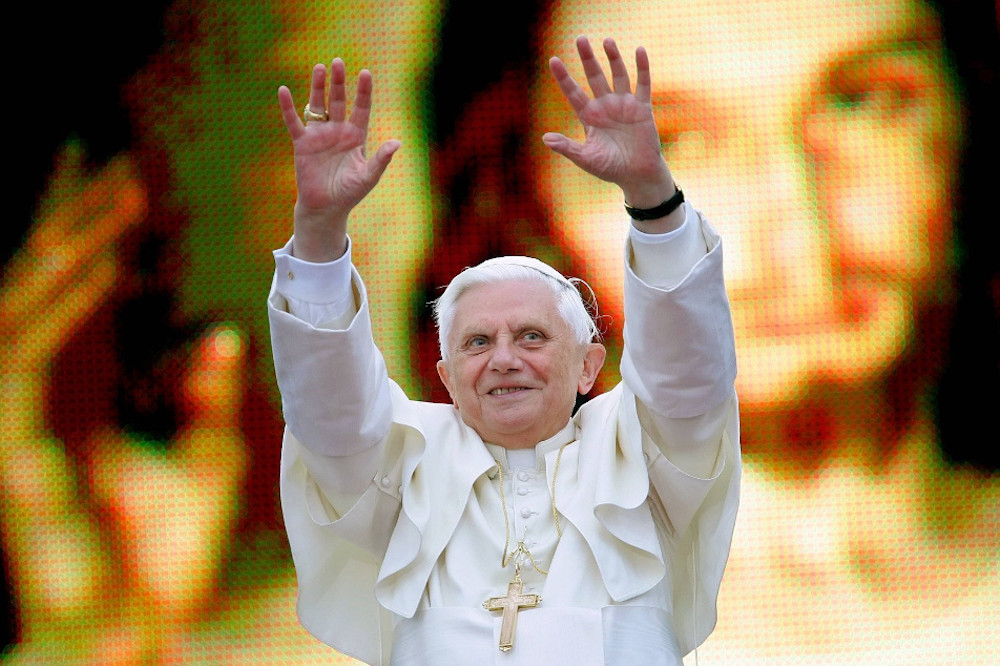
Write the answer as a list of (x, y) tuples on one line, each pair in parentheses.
[(308, 114)]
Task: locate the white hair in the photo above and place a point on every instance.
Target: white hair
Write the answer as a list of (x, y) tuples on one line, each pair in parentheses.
[(569, 301)]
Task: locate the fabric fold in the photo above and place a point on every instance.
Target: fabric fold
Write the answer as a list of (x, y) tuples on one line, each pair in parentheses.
[(606, 499)]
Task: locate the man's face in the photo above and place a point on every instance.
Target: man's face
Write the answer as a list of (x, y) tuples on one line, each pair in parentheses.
[(820, 138), (514, 365)]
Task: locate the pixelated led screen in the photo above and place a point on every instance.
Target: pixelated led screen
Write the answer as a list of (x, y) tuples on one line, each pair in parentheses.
[(836, 146)]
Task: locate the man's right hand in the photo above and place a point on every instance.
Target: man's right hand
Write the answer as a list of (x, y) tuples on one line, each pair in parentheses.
[(332, 172)]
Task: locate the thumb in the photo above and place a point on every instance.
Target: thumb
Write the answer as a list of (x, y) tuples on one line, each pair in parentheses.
[(378, 163), (213, 387), (563, 145)]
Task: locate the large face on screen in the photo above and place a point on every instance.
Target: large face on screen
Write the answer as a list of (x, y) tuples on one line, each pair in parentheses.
[(819, 137)]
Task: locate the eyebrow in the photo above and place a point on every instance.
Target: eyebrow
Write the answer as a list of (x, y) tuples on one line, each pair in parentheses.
[(912, 38), (916, 36), (902, 46), (475, 329)]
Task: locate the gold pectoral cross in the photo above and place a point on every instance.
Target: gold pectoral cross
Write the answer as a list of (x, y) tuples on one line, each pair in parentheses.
[(510, 605)]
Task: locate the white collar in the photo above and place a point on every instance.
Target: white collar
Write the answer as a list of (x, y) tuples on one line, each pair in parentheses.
[(518, 457)]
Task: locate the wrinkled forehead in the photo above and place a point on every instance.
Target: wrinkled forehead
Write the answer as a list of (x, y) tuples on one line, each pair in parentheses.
[(507, 298), (512, 305)]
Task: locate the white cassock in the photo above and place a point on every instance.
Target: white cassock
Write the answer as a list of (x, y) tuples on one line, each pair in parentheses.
[(394, 509)]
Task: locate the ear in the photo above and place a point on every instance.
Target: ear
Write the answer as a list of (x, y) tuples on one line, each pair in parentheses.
[(593, 361), (442, 368)]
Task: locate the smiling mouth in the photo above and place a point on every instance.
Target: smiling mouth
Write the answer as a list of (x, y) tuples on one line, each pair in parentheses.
[(505, 391)]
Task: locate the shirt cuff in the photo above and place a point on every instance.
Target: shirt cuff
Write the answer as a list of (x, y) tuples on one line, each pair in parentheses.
[(315, 292), (663, 260)]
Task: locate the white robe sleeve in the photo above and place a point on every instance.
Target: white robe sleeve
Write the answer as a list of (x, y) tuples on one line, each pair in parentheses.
[(339, 491), (679, 362)]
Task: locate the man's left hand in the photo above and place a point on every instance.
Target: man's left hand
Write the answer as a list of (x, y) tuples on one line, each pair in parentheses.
[(622, 144)]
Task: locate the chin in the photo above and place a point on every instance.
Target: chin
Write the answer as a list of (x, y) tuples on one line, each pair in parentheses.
[(512, 433), (778, 365)]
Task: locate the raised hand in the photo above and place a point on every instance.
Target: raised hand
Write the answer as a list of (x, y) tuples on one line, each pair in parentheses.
[(67, 265), (621, 142), (332, 172), (59, 559), (111, 559)]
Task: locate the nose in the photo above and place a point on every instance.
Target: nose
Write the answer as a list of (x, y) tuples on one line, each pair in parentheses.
[(764, 201), (505, 356)]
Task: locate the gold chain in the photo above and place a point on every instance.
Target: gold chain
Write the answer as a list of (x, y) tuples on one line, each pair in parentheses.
[(521, 548)]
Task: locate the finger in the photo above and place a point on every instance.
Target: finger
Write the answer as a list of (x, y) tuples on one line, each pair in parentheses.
[(592, 68), (289, 114), (317, 89), (67, 181), (362, 101), (39, 341), (619, 73), (91, 212), (378, 163), (65, 241), (112, 204), (338, 91), (573, 93), (213, 390), (643, 80)]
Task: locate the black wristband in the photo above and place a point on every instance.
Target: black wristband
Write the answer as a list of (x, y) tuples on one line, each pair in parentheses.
[(664, 209)]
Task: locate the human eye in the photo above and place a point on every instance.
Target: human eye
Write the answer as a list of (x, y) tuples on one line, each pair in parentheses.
[(475, 344), (891, 98), (875, 98), (879, 88), (533, 338)]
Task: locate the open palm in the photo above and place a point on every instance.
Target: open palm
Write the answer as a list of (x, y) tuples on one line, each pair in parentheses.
[(621, 142), (332, 171)]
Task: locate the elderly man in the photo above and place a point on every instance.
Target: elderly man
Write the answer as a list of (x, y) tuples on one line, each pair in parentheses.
[(503, 527)]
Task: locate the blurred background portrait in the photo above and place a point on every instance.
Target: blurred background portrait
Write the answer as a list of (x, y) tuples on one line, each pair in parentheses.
[(844, 150), (833, 143), (140, 420)]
